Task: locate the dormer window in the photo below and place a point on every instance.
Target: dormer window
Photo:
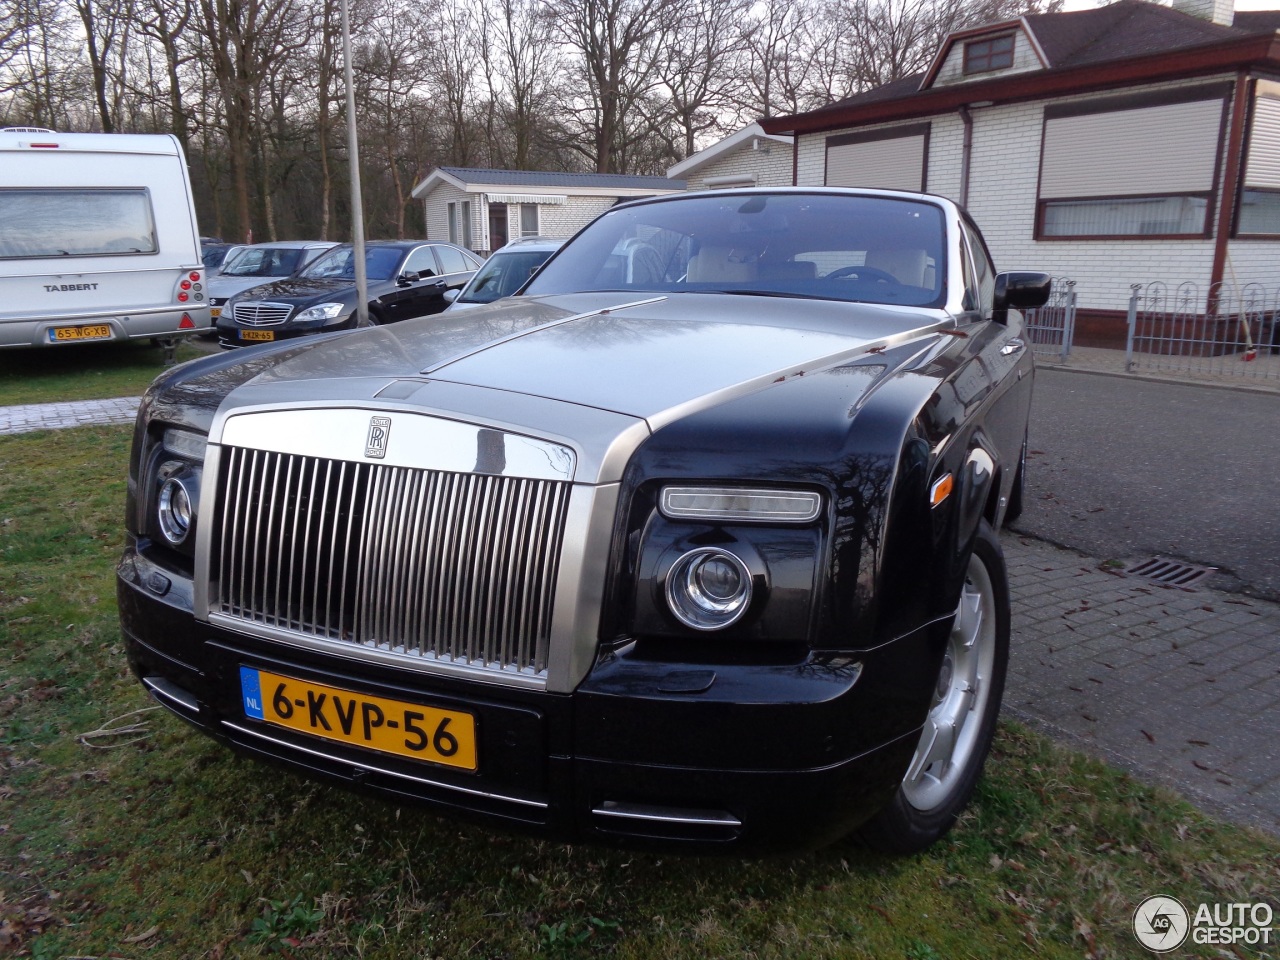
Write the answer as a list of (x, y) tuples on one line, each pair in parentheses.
[(993, 53)]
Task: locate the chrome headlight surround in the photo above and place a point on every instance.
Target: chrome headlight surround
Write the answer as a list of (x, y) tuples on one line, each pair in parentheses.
[(709, 588), (175, 470), (176, 506)]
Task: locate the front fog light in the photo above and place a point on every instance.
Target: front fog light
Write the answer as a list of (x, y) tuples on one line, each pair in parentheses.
[(175, 508), (708, 589)]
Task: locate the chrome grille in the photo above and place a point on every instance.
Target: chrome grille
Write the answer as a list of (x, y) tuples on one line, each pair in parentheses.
[(450, 567), (257, 313)]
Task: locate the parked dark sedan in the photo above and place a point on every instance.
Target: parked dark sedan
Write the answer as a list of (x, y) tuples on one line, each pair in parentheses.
[(693, 543), (406, 278)]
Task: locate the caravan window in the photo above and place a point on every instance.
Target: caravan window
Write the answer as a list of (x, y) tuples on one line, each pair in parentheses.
[(80, 222)]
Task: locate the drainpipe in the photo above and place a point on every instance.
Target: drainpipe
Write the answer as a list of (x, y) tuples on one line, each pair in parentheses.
[(967, 119), (1231, 178)]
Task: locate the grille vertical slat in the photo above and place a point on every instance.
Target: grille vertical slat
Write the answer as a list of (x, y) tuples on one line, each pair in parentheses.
[(448, 567)]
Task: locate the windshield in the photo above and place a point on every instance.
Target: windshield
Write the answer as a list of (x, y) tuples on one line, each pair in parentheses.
[(380, 263), (264, 262), (502, 275), (826, 246)]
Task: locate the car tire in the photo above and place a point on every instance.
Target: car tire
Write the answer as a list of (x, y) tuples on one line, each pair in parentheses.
[(1017, 495), (961, 723)]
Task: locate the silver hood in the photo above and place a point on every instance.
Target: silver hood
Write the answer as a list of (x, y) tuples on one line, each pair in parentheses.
[(585, 370)]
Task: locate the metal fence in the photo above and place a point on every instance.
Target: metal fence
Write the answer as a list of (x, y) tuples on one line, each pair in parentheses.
[(1051, 328), (1228, 330)]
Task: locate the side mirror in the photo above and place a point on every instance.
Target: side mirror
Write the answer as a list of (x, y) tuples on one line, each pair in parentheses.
[(450, 295), (407, 278), (1020, 291)]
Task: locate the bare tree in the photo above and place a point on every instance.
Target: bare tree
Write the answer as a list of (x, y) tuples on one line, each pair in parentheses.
[(39, 59), (107, 26), (776, 66), (392, 70), (702, 42), (451, 70), (615, 48), (521, 63), (165, 23), (244, 37)]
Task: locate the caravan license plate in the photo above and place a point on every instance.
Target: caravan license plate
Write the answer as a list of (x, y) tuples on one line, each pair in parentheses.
[(97, 331), (446, 737), (257, 334)]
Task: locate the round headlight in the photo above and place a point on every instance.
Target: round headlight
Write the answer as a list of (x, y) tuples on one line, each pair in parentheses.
[(175, 509), (708, 589)]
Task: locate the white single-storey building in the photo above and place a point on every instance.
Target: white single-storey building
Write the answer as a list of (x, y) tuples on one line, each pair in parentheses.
[(748, 158), (482, 209), (1115, 146)]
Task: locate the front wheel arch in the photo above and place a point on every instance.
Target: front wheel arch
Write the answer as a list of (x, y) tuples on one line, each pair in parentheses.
[(941, 778)]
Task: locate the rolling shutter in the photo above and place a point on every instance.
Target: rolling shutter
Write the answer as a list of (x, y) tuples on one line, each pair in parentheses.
[(1166, 149), (887, 160), (1263, 168)]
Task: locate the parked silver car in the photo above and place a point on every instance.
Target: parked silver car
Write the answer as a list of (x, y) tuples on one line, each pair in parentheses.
[(261, 263), (506, 271)]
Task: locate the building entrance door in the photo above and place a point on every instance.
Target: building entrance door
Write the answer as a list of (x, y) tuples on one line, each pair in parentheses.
[(497, 226)]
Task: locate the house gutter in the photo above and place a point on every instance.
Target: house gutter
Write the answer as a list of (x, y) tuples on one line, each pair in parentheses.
[(1231, 178), (966, 151), (1233, 55)]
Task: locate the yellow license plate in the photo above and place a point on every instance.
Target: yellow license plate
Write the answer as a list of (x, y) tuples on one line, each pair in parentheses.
[(257, 334), (96, 331), (215, 312), (446, 737)]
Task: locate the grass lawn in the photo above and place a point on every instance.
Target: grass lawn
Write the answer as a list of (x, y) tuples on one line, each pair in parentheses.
[(153, 841), (86, 371)]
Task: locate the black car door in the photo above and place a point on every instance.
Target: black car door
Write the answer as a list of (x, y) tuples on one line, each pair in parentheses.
[(413, 297)]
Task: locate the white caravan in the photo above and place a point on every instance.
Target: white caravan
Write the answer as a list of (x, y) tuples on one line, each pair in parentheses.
[(98, 239)]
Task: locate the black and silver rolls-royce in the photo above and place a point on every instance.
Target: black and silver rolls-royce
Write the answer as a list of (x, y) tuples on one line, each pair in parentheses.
[(692, 542)]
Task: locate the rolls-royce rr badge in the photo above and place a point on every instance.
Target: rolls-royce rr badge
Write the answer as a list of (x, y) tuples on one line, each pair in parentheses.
[(379, 433)]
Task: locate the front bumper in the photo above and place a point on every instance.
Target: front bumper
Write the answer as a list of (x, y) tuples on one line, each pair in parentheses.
[(232, 334), (723, 757), (143, 324)]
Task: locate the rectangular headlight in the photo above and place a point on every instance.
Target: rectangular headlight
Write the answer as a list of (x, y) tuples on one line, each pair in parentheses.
[(185, 443), (736, 503)]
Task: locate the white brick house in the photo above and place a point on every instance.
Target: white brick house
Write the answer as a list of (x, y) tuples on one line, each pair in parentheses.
[(1114, 146), (748, 158), (482, 209)]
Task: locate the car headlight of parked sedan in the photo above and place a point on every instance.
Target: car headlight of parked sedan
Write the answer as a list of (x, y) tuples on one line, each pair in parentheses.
[(321, 312)]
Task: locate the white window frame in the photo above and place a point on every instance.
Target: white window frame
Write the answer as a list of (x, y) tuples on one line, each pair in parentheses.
[(537, 220)]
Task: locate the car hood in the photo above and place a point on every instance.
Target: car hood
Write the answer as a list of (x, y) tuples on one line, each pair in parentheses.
[(224, 286), (621, 361), (298, 290)]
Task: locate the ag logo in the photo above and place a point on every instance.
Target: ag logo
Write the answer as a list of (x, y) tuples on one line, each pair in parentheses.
[(1161, 924), (379, 433)]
